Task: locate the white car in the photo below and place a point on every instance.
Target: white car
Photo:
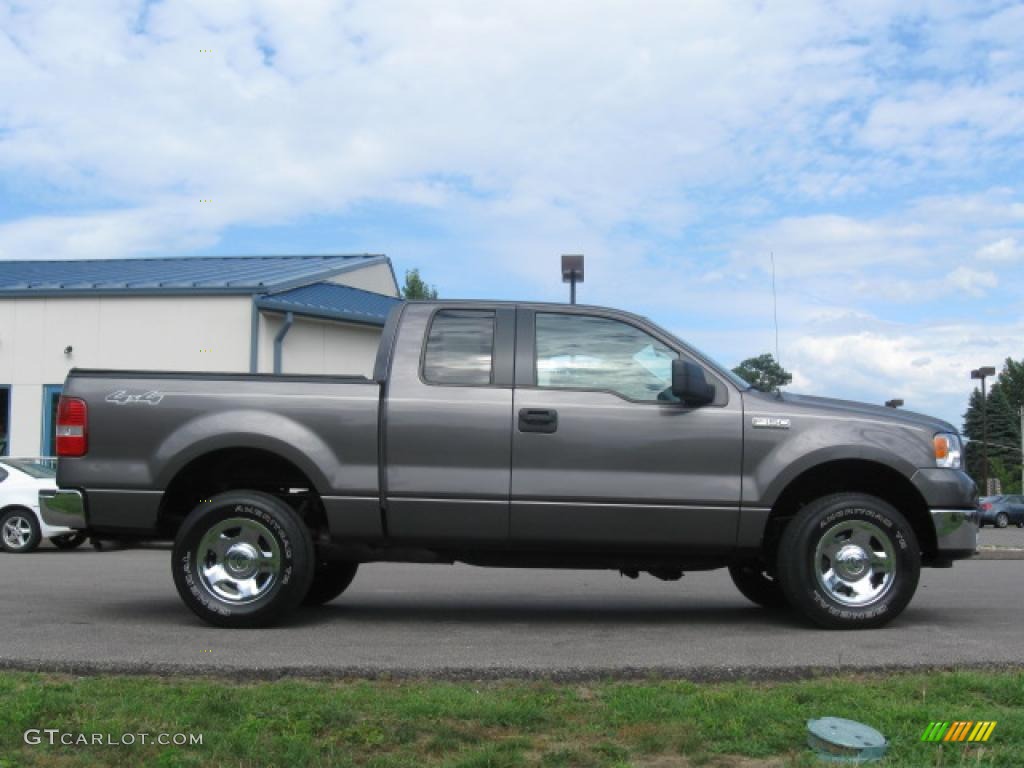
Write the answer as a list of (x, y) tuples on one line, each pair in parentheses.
[(21, 527)]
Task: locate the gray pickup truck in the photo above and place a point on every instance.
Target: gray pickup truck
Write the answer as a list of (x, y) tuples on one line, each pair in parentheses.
[(525, 435)]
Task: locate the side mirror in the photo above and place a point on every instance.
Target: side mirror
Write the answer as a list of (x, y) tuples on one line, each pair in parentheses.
[(689, 384)]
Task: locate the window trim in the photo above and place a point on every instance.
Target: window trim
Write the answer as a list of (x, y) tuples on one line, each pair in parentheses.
[(48, 435), (721, 390), (5, 450), (422, 372)]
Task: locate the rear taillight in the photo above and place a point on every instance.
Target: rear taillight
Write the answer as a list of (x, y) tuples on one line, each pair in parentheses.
[(986, 506), (72, 427)]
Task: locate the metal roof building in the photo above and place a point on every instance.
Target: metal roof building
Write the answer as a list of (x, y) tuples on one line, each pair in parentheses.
[(292, 314)]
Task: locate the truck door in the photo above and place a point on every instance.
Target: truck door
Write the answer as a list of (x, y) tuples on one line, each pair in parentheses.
[(447, 422), (603, 453)]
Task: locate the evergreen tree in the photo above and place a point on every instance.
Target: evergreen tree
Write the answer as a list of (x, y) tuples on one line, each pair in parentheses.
[(415, 288), (1003, 403)]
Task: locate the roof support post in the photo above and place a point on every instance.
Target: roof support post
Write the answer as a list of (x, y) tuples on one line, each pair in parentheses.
[(289, 318), (254, 338)]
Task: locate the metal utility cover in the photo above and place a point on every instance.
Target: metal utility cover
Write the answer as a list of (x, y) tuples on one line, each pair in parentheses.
[(845, 741)]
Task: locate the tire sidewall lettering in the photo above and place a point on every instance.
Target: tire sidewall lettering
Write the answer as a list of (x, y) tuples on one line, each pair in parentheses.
[(194, 591)]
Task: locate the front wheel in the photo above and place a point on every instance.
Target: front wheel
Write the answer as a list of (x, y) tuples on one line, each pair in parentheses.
[(19, 531), (243, 559), (849, 561), (758, 585)]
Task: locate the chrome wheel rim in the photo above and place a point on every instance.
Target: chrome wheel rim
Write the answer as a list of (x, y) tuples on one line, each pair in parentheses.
[(239, 560), (855, 563), (17, 532)]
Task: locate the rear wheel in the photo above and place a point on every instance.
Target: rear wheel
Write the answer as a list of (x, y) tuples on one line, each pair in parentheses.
[(759, 586), (243, 559), (19, 531), (849, 561), (330, 579), (1002, 520)]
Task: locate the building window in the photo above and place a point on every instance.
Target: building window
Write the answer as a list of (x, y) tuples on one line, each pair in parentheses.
[(583, 352), (460, 348), (51, 396), (5, 420)]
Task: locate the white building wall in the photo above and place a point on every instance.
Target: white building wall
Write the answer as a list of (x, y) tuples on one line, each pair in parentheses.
[(319, 347), (377, 278), (159, 333), (26, 419)]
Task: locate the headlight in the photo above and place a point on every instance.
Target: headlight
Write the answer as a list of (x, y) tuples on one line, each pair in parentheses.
[(947, 450)]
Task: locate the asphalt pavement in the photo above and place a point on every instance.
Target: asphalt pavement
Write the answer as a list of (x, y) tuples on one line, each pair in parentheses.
[(87, 611)]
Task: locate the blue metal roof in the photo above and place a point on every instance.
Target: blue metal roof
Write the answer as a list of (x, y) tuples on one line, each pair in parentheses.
[(184, 275), (333, 302)]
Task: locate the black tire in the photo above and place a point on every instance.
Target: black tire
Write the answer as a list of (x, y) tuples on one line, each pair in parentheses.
[(757, 585), (68, 541), (839, 535), (330, 579), (243, 559), (1002, 520), (19, 531)]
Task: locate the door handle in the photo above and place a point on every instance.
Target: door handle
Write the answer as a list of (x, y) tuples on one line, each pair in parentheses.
[(538, 420)]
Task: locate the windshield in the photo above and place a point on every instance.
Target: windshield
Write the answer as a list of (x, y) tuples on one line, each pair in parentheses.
[(40, 469)]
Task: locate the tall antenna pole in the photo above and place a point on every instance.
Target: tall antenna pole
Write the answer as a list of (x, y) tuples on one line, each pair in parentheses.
[(775, 309)]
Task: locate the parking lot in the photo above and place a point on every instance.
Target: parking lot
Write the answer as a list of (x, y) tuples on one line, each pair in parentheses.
[(89, 611)]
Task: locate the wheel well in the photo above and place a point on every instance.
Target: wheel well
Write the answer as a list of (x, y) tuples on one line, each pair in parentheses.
[(236, 468), (858, 476), (16, 507)]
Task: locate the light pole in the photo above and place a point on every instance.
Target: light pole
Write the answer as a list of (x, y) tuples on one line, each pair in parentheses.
[(894, 403), (983, 373), (572, 272)]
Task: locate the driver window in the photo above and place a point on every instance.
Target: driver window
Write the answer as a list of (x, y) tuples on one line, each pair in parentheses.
[(583, 352)]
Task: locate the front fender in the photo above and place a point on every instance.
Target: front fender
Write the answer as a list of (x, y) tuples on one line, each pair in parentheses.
[(774, 458)]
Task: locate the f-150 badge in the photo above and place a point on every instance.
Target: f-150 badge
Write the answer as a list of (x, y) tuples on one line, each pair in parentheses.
[(769, 422), (121, 397)]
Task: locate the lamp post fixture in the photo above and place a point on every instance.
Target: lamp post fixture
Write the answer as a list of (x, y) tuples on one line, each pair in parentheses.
[(572, 273), (983, 373), (894, 403)]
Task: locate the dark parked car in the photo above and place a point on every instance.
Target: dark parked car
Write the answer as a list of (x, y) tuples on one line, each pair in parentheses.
[(528, 435), (1001, 511)]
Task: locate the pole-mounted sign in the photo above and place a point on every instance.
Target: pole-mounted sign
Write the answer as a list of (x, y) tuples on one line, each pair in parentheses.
[(572, 272)]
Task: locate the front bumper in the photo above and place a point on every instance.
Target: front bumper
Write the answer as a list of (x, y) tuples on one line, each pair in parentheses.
[(956, 532), (62, 508)]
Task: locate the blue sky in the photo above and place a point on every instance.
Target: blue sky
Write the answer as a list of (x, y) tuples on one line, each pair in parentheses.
[(876, 148)]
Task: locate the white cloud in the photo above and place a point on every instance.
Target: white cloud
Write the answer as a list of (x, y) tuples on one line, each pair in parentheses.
[(972, 281), (614, 115), (1005, 250), (927, 365)]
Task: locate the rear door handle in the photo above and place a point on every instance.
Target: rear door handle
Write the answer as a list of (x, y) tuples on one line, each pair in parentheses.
[(538, 420)]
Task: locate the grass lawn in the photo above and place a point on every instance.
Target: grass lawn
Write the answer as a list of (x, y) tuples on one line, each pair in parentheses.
[(661, 724)]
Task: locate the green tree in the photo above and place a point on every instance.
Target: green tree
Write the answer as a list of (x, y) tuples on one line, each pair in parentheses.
[(763, 373), (415, 288), (1003, 401)]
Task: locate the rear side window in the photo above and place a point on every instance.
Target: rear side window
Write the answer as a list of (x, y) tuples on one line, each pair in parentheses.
[(460, 348)]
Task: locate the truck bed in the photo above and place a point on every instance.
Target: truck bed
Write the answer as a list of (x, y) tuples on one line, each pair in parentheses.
[(145, 427)]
